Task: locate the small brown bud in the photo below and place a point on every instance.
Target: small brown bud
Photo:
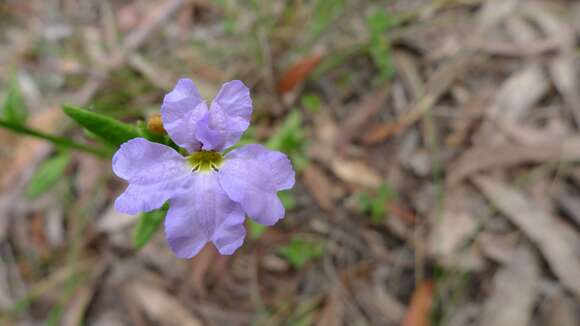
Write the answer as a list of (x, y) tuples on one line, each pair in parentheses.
[(155, 124)]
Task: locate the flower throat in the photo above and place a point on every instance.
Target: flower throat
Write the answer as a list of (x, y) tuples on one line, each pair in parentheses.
[(205, 161)]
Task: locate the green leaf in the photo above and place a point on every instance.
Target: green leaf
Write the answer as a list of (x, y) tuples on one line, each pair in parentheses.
[(380, 48), (375, 206), (111, 130), (14, 110), (300, 251), (229, 24), (289, 135), (148, 224), (380, 21), (287, 199), (256, 230), (290, 138), (47, 175), (311, 102)]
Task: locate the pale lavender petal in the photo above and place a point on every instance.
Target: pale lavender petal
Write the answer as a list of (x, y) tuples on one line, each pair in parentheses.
[(154, 172), (204, 213), (251, 175), (230, 235), (210, 138), (229, 116), (137, 198), (181, 110)]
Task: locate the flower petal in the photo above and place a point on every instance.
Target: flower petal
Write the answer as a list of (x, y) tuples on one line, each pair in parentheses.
[(229, 116), (251, 175), (154, 172), (181, 110), (204, 213)]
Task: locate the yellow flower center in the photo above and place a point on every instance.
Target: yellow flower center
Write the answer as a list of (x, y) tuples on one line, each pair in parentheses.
[(205, 161)]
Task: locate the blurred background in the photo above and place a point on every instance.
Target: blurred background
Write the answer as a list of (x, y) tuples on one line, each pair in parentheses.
[(436, 144)]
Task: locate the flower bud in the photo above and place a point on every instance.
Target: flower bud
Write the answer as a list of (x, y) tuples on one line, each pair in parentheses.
[(155, 124)]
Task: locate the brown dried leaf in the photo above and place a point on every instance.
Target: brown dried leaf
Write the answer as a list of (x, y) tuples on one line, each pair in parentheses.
[(564, 72), (38, 235), (560, 310), (327, 134), (362, 112), (401, 211), (319, 185), (486, 157), (519, 93), (418, 313), (498, 247), (527, 135), (297, 73), (408, 69), (474, 109), (521, 31), (356, 172), (550, 22), (556, 242), (456, 225), (509, 49), (161, 307), (380, 306), (332, 312), (495, 11), (513, 293)]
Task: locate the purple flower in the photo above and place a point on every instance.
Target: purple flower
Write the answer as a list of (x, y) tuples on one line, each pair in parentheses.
[(209, 193)]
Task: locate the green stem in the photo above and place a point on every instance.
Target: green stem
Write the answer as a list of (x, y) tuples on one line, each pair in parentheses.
[(55, 139)]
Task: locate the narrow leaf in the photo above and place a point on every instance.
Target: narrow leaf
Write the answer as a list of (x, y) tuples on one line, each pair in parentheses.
[(47, 175), (57, 141), (297, 73), (111, 130), (148, 225), (419, 310), (13, 109)]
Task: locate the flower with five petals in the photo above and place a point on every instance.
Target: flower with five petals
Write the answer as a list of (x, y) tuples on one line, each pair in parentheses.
[(209, 192)]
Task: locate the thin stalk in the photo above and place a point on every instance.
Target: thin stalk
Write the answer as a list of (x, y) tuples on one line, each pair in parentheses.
[(100, 152)]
